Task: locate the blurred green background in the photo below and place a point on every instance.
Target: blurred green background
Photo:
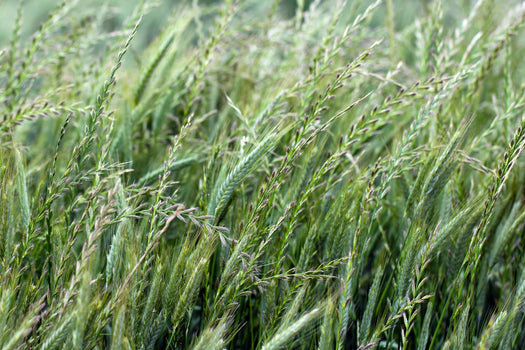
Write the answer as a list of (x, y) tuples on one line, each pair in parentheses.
[(35, 12)]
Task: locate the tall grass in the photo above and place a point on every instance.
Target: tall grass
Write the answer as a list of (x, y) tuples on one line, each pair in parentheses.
[(340, 176)]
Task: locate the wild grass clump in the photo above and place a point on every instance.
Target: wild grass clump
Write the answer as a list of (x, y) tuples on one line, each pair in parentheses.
[(263, 175)]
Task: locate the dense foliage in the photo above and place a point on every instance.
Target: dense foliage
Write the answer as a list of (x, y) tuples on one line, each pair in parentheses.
[(348, 176)]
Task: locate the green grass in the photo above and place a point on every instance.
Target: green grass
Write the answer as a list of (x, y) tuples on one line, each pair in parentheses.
[(340, 176)]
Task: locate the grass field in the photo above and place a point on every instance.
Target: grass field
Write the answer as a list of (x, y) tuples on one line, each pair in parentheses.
[(262, 175)]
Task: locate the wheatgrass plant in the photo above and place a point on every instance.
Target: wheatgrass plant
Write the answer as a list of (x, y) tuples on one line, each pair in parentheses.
[(263, 175)]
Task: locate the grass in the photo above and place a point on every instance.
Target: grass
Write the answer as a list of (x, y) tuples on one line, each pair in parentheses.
[(263, 175)]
